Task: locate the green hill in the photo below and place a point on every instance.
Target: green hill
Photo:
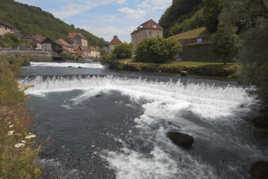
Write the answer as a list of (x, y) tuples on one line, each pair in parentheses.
[(33, 20), (182, 15)]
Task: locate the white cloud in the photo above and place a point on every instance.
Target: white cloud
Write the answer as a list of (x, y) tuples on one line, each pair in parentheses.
[(75, 7), (133, 13), (146, 8)]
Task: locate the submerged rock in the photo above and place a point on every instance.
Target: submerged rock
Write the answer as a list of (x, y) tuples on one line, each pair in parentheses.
[(98, 95), (259, 170), (180, 139), (184, 73), (261, 123)]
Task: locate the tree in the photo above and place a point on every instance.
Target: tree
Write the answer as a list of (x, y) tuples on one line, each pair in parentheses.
[(122, 51), (225, 44), (253, 54), (212, 9), (157, 50)]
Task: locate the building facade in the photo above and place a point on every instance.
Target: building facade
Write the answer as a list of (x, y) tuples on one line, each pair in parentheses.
[(50, 45), (78, 40), (65, 46), (116, 41), (149, 29), (91, 52)]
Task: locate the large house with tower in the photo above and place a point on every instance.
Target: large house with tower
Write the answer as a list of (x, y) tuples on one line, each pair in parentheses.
[(149, 29)]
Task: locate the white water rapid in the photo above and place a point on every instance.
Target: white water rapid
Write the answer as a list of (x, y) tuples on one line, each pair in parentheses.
[(168, 102)]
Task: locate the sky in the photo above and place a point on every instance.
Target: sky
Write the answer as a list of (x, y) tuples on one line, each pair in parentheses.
[(104, 18)]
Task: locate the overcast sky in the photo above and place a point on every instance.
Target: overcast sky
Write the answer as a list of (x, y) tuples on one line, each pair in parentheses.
[(105, 18)]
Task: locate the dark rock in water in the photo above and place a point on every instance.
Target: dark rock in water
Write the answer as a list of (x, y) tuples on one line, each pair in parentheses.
[(184, 73), (261, 123), (180, 139), (259, 170), (79, 67), (69, 66), (98, 95)]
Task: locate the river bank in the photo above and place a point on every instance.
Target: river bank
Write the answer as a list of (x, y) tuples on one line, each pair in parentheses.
[(215, 70), (19, 154)]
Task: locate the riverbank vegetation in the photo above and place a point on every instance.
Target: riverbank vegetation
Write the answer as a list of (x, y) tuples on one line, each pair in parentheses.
[(157, 50), (122, 51), (18, 153), (212, 69)]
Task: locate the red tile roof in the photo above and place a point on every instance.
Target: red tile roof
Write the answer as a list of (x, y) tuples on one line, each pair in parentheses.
[(73, 35), (115, 41), (63, 43), (150, 24), (39, 38)]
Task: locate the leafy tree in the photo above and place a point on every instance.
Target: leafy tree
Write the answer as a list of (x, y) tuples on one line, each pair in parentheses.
[(212, 9), (9, 40), (225, 44), (122, 51), (253, 54), (157, 50), (179, 11)]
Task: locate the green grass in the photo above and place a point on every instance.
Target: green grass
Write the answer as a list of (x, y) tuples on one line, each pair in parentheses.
[(192, 34), (212, 69)]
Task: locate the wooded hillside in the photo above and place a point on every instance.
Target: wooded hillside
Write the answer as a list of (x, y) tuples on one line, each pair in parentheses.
[(33, 20)]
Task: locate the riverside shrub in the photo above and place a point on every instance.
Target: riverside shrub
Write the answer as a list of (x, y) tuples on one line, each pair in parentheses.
[(157, 50), (122, 51)]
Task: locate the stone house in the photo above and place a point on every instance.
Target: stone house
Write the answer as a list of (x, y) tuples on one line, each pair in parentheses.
[(91, 52), (78, 40), (149, 29), (115, 41), (51, 46), (65, 46), (38, 41)]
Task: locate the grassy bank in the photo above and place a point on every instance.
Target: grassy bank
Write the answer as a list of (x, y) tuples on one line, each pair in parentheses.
[(18, 153), (212, 69)]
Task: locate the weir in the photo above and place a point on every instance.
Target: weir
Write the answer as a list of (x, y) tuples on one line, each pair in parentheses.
[(116, 126)]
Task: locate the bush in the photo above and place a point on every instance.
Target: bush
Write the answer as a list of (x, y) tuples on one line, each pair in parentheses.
[(157, 50), (122, 51), (225, 44), (9, 40)]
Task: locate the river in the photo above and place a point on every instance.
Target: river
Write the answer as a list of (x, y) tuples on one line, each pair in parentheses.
[(97, 124)]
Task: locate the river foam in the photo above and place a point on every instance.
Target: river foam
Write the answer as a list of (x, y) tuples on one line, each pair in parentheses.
[(163, 103)]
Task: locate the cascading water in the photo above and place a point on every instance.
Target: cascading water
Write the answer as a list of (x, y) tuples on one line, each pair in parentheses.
[(116, 127)]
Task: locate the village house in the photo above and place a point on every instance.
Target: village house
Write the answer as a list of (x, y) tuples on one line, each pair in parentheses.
[(91, 52), (6, 28), (78, 40), (66, 46), (38, 41), (50, 45), (115, 41), (149, 29)]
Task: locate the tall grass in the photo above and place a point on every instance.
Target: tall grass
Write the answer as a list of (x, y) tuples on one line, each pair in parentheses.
[(15, 162)]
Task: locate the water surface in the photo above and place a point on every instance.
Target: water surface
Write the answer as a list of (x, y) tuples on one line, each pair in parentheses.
[(97, 124)]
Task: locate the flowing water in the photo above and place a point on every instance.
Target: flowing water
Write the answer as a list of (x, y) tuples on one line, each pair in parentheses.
[(96, 124)]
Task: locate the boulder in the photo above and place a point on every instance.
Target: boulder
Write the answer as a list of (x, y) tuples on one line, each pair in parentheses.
[(98, 95), (180, 139), (259, 170)]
